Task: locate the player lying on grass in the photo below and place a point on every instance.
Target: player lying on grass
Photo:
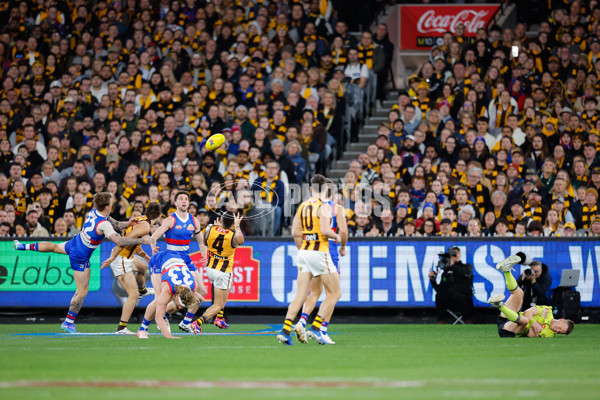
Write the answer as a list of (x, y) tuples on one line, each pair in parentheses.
[(221, 242), (338, 225), (536, 321), (96, 227), (121, 262)]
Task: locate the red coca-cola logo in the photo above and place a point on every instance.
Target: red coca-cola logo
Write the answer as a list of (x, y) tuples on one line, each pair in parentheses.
[(429, 22)]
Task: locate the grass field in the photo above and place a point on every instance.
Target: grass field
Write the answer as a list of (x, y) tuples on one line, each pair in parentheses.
[(368, 361)]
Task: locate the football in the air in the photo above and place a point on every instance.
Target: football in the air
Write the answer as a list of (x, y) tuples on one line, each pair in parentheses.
[(215, 141)]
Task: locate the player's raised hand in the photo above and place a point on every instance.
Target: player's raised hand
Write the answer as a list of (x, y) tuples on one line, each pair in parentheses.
[(237, 218)]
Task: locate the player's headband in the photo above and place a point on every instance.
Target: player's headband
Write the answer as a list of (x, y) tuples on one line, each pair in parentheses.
[(179, 302)]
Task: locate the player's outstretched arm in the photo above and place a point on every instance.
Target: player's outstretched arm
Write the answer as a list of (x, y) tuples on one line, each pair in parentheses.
[(238, 236), (161, 309), (201, 242), (138, 231), (126, 242), (106, 229), (165, 226), (119, 226)]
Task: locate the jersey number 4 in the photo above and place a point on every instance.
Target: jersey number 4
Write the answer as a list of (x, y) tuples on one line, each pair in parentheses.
[(218, 243)]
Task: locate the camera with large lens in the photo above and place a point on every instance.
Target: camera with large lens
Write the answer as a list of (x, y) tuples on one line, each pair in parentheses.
[(528, 273), (444, 260)]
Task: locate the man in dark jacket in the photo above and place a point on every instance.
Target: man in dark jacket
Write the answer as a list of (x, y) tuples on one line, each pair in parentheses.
[(454, 291), (381, 38), (535, 282)]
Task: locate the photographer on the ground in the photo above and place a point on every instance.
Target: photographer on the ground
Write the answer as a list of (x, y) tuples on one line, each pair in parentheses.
[(535, 282), (454, 288)]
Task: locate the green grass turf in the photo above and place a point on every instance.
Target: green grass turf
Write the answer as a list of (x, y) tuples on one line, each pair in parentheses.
[(443, 361)]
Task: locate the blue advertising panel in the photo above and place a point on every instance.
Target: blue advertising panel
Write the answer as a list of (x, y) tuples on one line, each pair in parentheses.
[(381, 273)]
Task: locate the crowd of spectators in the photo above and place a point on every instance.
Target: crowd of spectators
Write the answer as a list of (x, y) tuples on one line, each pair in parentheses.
[(495, 135), (120, 96)]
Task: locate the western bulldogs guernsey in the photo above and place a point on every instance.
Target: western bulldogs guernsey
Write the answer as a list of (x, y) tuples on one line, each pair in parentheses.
[(333, 246), (81, 247), (175, 273), (178, 239)]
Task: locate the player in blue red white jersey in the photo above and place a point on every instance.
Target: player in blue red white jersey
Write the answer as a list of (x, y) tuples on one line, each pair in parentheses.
[(338, 225), (178, 229), (97, 226), (177, 287)]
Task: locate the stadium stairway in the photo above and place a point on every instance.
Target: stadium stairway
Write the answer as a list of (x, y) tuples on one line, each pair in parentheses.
[(366, 136)]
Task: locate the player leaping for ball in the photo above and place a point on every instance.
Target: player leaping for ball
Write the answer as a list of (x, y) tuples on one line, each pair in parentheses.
[(311, 229), (122, 259), (221, 242), (536, 321), (338, 225), (97, 226), (178, 229)]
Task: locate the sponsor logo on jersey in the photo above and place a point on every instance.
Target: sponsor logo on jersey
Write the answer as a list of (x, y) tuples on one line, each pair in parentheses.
[(190, 227), (179, 227)]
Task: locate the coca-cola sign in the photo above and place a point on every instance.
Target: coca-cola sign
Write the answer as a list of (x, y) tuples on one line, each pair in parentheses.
[(432, 22)]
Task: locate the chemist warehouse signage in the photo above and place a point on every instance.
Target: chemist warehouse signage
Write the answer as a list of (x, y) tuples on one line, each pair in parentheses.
[(378, 273)]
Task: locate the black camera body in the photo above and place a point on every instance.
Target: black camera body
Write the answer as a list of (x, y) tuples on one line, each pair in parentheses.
[(444, 258)]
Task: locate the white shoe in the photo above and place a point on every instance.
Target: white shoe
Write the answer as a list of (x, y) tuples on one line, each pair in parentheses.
[(124, 332), (316, 336), (142, 334), (189, 328), (300, 332), (496, 300), (326, 338), (508, 264), (285, 339)]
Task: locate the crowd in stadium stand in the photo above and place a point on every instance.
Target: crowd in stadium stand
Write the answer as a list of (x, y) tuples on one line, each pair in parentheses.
[(122, 96), (495, 135)]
